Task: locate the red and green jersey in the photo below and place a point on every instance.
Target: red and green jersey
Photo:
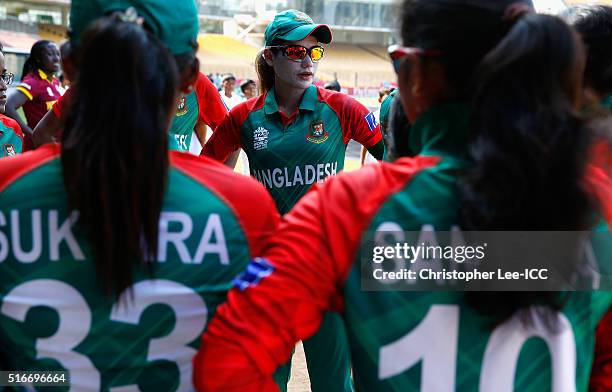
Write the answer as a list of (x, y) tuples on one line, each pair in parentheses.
[(289, 155), (53, 313), (202, 106), (11, 137), (399, 340)]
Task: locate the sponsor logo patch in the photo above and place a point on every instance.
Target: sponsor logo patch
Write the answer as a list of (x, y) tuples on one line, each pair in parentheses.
[(257, 269), (9, 149), (182, 108), (371, 120), (260, 139), (317, 133), (302, 17)]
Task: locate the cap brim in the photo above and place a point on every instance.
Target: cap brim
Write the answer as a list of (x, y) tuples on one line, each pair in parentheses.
[(321, 32)]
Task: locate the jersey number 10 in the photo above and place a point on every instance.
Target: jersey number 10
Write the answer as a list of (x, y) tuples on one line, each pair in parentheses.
[(435, 340)]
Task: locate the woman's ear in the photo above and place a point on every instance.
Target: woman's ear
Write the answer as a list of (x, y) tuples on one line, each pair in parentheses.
[(410, 82), (189, 76), (422, 85), (268, 56)]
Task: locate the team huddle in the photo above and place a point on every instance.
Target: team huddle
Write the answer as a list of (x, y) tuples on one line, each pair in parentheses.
[(133, 265)]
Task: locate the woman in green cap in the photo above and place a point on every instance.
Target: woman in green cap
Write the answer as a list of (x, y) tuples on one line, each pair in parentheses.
[(295, 135)]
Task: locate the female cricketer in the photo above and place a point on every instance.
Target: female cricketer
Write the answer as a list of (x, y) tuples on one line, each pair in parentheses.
[(38, 90), (295, 135), (114, 263)]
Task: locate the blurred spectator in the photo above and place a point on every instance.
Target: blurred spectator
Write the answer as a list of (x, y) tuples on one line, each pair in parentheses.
[(68, 71), (228, 95), (38, 89), (248, 88), (384, 92)]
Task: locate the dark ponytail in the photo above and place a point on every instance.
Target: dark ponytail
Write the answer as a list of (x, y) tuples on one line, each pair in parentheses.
[(265, 73), (529, 146), (34, 60), (114, 147)]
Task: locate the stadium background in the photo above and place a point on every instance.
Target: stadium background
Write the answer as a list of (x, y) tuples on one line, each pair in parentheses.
[(231, 35)]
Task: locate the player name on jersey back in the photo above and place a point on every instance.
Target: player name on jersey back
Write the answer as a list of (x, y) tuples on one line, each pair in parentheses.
[(50, 231)]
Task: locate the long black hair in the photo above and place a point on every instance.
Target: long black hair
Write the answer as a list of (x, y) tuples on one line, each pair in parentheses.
[(114, 146), (34, 60), (528, 146)]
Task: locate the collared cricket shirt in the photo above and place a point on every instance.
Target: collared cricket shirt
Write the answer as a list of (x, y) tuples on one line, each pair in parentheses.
[(289, 158)]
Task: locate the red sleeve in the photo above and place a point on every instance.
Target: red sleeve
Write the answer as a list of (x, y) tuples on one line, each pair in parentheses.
[(238, 192), (282, 296), (357, 122), (599, 183), (601, 154), (601, 373), (226, 138), (14, 167), (61, 105), (212, 110)]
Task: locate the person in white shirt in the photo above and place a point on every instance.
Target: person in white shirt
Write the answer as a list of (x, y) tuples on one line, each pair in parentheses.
[(229, 96)]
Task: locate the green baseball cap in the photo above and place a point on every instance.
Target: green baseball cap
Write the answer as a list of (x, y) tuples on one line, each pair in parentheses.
[(174, 22), (292, 25)]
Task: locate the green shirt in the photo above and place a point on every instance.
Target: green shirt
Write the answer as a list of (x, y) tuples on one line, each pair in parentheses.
[(54, 314), (289, 158), (11, 137), (201, 106)]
